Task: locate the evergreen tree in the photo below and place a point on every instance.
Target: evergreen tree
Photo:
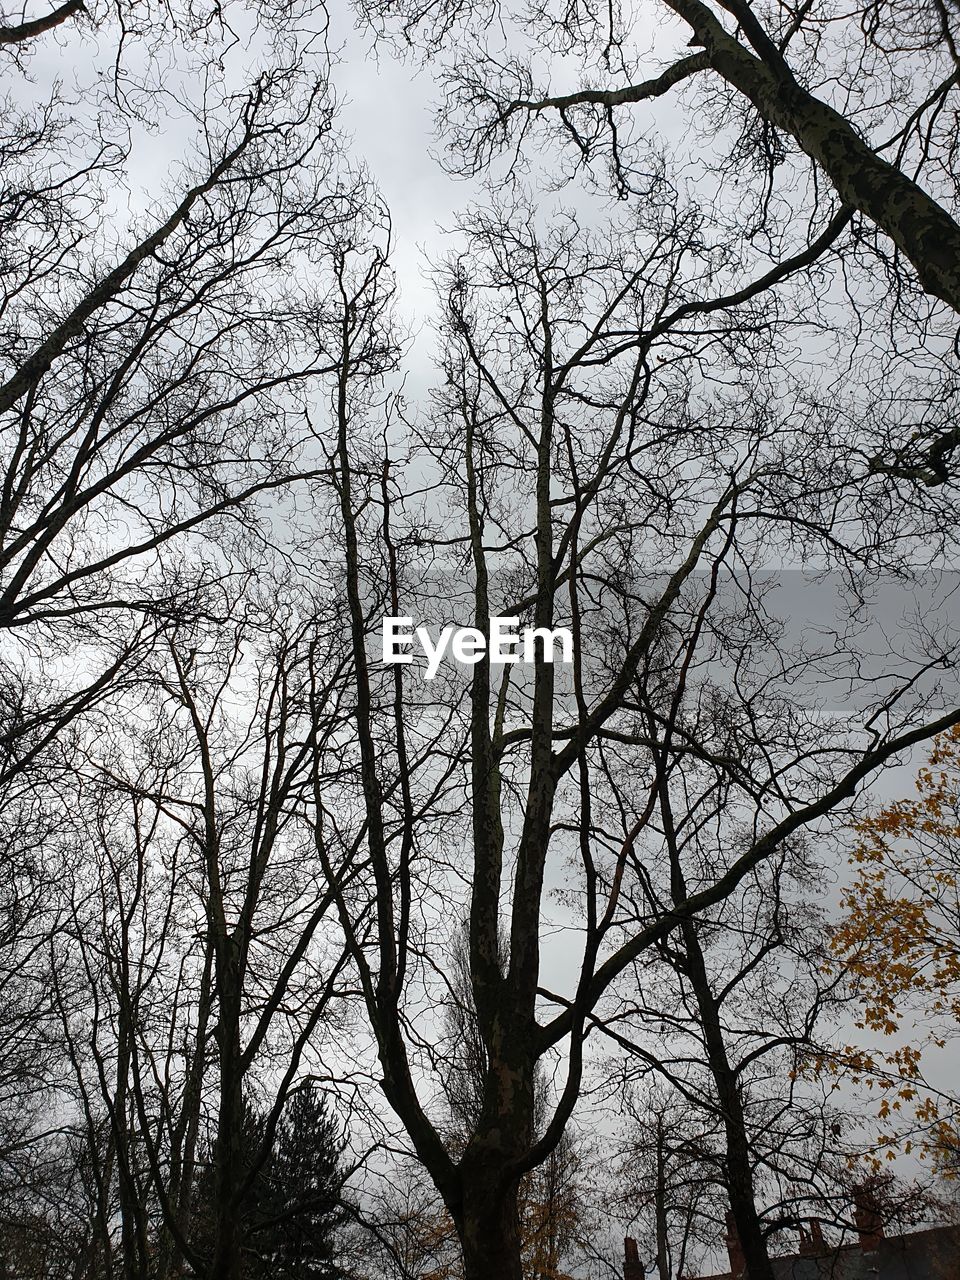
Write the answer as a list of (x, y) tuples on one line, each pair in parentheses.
[(300, 1197), (292, 1207)]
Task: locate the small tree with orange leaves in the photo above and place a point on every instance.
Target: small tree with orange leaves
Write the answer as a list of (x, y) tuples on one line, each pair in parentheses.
[(899, 939)]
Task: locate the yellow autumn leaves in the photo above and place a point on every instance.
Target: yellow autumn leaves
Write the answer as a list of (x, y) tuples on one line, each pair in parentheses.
[(899, 941)]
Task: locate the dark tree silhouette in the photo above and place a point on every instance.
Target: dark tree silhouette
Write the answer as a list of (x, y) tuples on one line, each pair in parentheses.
[(291, 1205), (581, 458), (301, 1197)]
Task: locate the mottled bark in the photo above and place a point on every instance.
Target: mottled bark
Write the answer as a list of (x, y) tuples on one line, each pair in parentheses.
[(228, 1147), (660, 1206), (488, 1224), (914, 221)]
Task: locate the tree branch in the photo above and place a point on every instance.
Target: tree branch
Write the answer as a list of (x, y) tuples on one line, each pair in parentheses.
[(27, 30), (654, 88)]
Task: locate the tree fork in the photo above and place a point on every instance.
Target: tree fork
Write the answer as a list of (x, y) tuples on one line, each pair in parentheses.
[(913, 220)]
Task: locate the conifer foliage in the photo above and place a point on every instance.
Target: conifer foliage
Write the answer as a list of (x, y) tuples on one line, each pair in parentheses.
[(292, 1206)]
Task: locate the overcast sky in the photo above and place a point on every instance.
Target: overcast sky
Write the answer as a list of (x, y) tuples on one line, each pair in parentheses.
[(388, 109)]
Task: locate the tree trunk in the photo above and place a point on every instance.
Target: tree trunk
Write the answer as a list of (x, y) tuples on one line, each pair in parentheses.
[(489, 1228), (229, 1156), (660, 1207), (914, 221), (739, 1171)]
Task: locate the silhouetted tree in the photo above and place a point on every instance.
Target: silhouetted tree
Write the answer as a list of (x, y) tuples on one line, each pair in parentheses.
[(291, 1205)]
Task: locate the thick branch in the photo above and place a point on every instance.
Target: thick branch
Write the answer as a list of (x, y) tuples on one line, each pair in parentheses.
[(844, 789), (924, 231), (654, 88), (913, 220), (27, 30), (36, 365)]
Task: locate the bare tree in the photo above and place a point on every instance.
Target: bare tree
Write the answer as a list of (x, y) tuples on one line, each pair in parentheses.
[(729, 1014), (668, 1179), (157, 363), (265, 827), (200, 971), (832, 137), (634, 503), (159, 371), (203, 970)]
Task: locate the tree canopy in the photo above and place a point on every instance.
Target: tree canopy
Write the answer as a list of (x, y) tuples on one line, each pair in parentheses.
[(315, 959)]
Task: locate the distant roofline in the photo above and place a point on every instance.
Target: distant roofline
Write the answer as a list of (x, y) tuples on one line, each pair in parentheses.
[(849, 1246)]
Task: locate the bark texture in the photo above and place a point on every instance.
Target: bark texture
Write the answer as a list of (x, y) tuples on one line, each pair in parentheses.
[(488, 1225), (921, 228)]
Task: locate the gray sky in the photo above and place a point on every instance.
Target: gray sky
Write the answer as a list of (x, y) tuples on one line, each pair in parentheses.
[(388, 110)]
